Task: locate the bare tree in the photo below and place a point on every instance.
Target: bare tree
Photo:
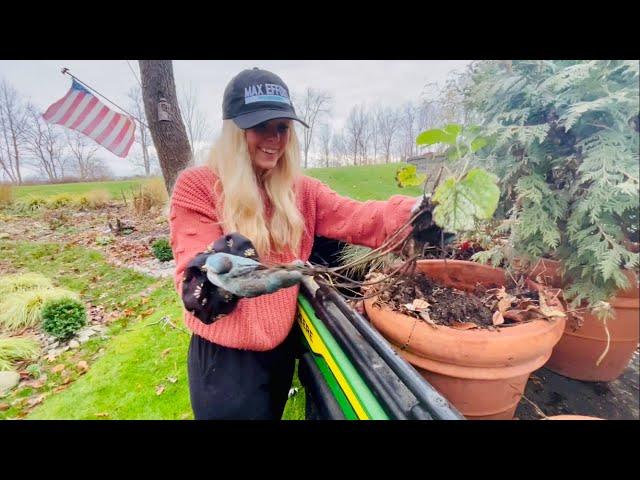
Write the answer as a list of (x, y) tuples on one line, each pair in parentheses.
[(324, 138), (99, 170), (354, 131), (368, 141), (453, 100), (338, 148), (195, 120), (13, 121), (388, 122), (143, 139), (441, 106), (408, 129), (374, 126), (312, 105), (83, 153), (44, 144), (167, 131)]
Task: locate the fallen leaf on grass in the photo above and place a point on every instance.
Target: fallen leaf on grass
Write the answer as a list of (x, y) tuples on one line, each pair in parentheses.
[(159, 389), (36, 383), (172, 379), (112, 316), (32, 402), (82, 366), (102, 414), (58, 368), (165, 352), (4, 406), (60, 388)]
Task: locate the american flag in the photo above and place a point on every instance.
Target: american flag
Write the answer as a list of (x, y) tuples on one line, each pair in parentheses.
[(80, 110)]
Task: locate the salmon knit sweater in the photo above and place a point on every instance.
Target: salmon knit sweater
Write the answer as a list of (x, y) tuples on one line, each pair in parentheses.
[(263, 322)]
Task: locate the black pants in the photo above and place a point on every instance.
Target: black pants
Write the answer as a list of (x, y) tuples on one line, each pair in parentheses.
[(231, 384)]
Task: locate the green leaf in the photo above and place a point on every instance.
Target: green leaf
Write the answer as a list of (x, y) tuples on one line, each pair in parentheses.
[(478, 143), (407, 177), (459, 204), (447, 135), (462, 150)]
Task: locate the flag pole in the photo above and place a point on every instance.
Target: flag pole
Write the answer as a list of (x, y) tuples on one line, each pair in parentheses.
[(65, 71)]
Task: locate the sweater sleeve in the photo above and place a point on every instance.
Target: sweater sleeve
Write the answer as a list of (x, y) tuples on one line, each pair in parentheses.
[(367, 223), (193, 224), (194, 230)]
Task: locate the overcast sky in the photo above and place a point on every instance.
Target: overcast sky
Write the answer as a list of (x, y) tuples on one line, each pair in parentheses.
[(350, 82)]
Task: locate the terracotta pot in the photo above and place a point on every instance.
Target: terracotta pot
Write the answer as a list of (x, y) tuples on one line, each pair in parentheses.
[(547, 272), (572, 417), (483, 373), (576, 354)]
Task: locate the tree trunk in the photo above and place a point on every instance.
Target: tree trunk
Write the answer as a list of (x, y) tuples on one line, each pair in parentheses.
[(169, 137), (145, 159), (17, 157)]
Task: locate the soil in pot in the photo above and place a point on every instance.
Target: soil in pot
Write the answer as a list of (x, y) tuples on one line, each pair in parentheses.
[(418, 296)]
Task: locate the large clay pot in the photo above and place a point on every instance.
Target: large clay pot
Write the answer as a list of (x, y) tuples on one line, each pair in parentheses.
[(483, 373), (576, 354)]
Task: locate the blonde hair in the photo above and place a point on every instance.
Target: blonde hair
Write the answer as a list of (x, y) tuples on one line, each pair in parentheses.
[(242, 209)]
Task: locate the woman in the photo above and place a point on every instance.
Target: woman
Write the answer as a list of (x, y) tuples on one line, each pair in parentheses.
[(251, 202)]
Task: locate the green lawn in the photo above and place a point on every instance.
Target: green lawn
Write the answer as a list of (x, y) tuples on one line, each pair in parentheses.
[(143, 355), (114, 188), (141, 376), (374, 182)]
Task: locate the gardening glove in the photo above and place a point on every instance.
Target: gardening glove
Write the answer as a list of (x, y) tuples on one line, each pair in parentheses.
[(425, 231), (206, 301), (246, 277)]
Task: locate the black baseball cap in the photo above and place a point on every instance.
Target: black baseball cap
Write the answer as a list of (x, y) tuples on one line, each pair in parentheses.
[(255, 96)]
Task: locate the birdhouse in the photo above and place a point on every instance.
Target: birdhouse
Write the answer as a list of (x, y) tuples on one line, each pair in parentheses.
[(164, 110)]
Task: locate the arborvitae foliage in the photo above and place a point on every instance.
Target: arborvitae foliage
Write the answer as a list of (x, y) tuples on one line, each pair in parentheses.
[(564, 143)]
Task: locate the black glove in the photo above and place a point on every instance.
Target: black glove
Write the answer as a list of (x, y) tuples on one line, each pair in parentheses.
[(425, 231), (203, 299)]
